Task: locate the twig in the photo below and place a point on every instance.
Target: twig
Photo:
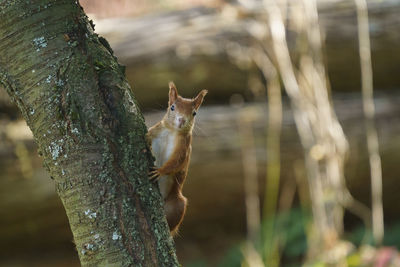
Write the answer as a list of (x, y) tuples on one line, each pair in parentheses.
[(245, 121), (273, 167), (369, 113)]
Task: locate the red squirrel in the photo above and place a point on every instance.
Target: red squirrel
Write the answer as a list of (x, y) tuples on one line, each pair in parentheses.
[(171, 143)]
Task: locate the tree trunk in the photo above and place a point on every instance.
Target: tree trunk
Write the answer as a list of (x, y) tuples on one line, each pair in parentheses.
[(74, 96)]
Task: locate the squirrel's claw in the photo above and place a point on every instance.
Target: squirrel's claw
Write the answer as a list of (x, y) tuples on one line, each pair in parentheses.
[(154, 174)]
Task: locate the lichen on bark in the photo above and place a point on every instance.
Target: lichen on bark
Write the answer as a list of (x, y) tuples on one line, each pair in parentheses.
[(74, 96)]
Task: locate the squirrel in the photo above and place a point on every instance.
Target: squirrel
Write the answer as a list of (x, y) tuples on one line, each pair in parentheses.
[(170, 141)]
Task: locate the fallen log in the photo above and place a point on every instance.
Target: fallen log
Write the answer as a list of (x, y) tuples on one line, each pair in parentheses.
[(206, 48)]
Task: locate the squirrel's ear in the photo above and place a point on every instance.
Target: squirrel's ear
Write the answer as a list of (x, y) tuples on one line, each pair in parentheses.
[(199, 99), (173, 93)]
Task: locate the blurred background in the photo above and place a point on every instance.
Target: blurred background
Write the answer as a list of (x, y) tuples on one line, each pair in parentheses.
[(283, 144)]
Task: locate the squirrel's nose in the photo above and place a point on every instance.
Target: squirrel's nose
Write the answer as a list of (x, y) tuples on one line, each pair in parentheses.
[(181, 121)]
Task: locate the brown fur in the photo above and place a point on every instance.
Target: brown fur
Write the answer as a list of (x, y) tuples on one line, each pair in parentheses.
[(180, 122)]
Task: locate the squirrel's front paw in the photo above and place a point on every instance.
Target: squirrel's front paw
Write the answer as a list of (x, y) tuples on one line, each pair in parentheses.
[(154, 174)]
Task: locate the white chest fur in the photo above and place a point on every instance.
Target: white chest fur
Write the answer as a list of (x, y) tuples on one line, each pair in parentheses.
[(163, 146)]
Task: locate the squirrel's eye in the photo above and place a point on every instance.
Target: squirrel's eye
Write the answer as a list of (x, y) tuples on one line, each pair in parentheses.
[(194, 113), (172, 107)]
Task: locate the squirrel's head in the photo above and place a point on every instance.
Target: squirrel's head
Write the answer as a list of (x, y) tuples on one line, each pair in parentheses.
[(182, 111)]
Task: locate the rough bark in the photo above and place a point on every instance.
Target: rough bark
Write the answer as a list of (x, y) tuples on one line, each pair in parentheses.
[(74, 96)]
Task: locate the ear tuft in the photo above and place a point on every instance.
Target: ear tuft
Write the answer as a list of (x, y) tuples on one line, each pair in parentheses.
[(199, 98), (173, 93)]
